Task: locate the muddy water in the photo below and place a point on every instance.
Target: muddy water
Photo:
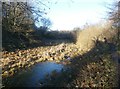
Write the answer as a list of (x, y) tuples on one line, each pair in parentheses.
[(33, 76)]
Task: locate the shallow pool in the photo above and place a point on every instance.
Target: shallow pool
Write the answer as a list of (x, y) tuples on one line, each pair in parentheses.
[(33, 76)]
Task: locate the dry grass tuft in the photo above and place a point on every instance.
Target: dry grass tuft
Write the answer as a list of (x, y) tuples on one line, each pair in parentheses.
[(87, 37)]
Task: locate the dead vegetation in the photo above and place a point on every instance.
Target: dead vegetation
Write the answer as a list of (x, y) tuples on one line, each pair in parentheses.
[(88, 36)]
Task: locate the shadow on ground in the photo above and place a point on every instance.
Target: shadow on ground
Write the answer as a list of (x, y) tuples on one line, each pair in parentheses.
[(73, 75)]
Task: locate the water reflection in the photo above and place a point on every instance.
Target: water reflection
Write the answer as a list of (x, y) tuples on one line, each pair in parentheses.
[(34, 76)]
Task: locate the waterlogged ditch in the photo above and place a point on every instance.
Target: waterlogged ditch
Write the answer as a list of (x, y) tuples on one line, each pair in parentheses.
[(79, 73), (91, 69), (34, 76), (27, 68)]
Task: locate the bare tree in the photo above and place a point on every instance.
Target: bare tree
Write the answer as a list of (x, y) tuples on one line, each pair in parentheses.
[(18, 18), (114, 13), (114, 16), (17, 14)]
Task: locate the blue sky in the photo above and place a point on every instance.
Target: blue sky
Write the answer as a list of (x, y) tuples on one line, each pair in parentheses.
[(67, 14)]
